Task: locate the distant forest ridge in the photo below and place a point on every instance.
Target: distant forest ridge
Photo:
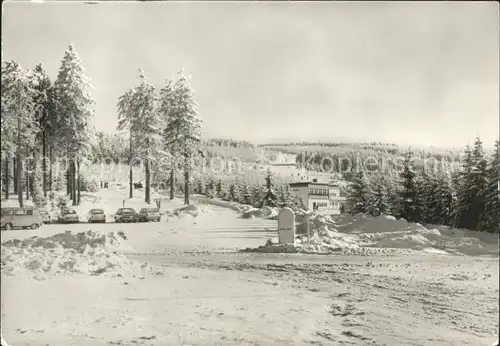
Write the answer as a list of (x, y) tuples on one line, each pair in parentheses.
[(107, 145)]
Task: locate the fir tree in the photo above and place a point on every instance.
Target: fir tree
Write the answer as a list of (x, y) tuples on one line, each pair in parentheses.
[(18, 117), (233, 192), (218, 189), (280, 196), (430, 210), (245, 196), (490, 221), (270, 198), (183, 129), (377, 202), (358, 193), (479, 183), (464, 197), (137, 110), (45, 117), (392, 185), (411, 206), (74, 109), (473, 182)]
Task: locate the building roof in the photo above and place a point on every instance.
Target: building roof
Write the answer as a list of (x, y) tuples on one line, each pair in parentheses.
[(307, 183)]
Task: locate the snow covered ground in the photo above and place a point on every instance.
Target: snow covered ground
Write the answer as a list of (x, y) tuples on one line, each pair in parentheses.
[(180, 282)]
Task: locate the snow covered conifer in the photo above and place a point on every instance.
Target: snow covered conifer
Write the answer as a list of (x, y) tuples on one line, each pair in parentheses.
[(410, 201), (473, 182), (378, 200), (183, 124), (358, 193), (270, 198), (45, 115), (491, 221), (18, 117), (74, 109), (464, 193), (138, 110)]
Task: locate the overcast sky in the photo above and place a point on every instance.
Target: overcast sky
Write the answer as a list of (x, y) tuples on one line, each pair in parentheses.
[(409, 73)]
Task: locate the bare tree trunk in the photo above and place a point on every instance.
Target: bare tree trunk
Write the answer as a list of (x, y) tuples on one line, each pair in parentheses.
[(27, 183), (7, 177), (148, 183), (73, 182), (68, 179), (44, 163), (51, 159), (31, 185), (19, 179), (186, 187), (131, 181), (15, 175), (50, 168), (78, 180), (172, 183), (186, 179)]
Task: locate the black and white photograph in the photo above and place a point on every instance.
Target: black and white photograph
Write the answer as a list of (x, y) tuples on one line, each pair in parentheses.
[(255, 173)]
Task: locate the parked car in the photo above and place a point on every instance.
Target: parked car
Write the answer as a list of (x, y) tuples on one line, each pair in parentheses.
[(68, 216), (126, 215), (149, 214), (96, 215), (26, 217)]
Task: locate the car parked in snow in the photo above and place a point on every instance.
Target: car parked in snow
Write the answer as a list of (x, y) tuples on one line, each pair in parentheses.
[(14, 217), (96, 215), (68, 216), (126, 215), (149, 214)]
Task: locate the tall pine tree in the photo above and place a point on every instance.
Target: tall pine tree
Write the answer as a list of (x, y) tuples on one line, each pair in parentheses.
[(378, 199), (358, 193), (74, 109), (18, 116), (490, 221), (183, 129), (410, 200)]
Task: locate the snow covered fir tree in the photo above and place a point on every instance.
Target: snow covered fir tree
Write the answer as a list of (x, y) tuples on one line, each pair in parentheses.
[(466, 198)]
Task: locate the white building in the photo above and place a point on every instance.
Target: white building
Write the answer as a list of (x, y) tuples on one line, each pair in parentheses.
[(325, 196)]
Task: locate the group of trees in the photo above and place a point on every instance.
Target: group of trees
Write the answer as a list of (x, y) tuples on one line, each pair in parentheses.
[(241, 191), (465, 198), (43, 122), (164, 128)]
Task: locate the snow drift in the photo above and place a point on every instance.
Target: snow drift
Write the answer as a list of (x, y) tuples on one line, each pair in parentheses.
[(193, 210), (89, 253), (263, 213), (361, 234)]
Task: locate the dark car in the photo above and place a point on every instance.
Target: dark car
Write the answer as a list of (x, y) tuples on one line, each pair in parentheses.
[(126, 215), (149, 214)]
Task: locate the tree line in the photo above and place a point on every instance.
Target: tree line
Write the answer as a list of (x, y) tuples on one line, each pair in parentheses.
[(42, 122), (163, 126), (270, 193), (467, 197), (45, 122)]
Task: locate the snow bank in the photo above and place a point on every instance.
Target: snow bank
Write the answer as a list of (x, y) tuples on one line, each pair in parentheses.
[(361, 234), (89, 253), (193, 209), (263, 213)]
